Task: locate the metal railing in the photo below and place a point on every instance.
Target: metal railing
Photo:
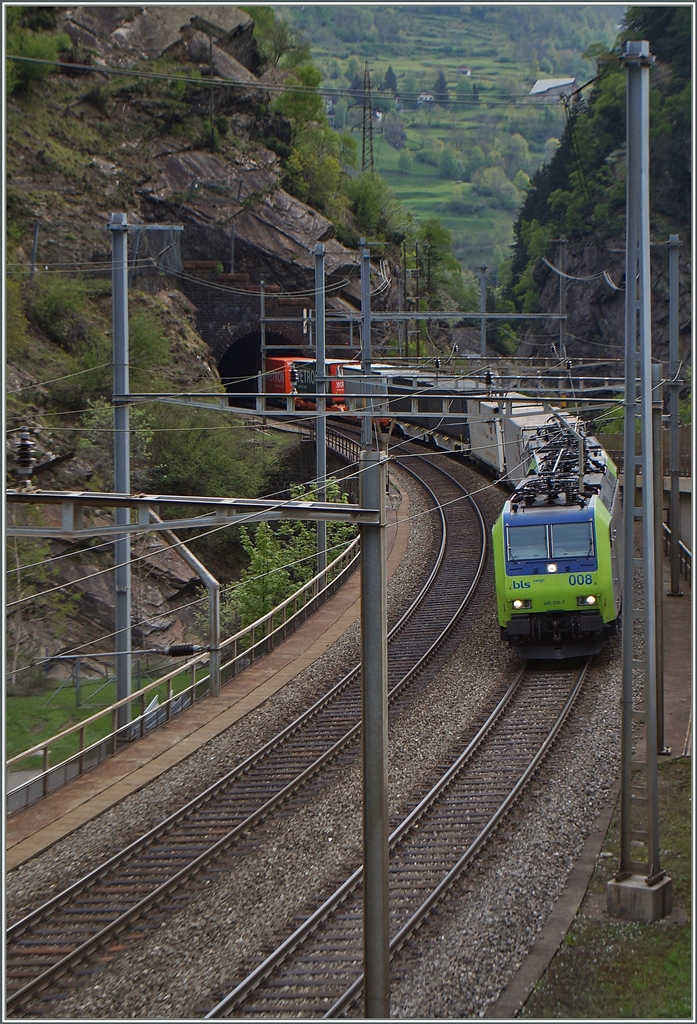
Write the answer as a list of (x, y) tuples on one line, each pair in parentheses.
[(685, 553), (241, 649)]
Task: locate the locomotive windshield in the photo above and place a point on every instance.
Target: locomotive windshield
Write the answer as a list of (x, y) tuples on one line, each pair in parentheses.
[(526, 542), (572, 540)]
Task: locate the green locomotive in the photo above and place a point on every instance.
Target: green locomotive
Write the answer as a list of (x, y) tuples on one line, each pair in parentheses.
[(557, 549)]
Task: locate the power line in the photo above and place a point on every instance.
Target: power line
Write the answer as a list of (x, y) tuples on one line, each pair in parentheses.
[(477, 102)]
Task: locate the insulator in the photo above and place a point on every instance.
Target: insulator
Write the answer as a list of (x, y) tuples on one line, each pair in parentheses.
[(488, 378), (293, 376), (182, 650), (436, 363), (24, 453)]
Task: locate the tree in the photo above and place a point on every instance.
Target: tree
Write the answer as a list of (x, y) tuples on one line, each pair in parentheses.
[(448, 164), (409, 91), (33, 606), (394, 130), (463, 89), (304, 105), (280, 561), (23, 42), (436, 257), (440, 89), (405, 162), (390, 80), (278, 41), (378, 212), (522, 181), (517, 155), (492, 181)]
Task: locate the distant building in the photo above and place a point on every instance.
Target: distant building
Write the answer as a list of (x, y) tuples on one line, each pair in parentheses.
[(464, 71), (424, 97), (550, 90)]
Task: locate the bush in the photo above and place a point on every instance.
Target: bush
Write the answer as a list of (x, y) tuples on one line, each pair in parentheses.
[(22, 42), (16, 323), (56, 305), (378, 212)]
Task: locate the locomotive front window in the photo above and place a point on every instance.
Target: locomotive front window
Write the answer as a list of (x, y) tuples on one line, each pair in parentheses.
[(526, 542), (572, 540)]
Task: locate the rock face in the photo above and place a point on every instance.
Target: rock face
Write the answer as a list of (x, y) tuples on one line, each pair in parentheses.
[(214, 196), (595, 303), (122, 33)]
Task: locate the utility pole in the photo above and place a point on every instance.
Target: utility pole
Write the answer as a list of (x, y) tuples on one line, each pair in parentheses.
[(122, 459), (321, 430), (674, 244), (34, 250), (562, 297), (640, 890), (373, 480), (262, 339), (417, 322), (367, 424), (402, 301), (376, 924), (118, 226), (482, 307), (657, 497), (367, 153)]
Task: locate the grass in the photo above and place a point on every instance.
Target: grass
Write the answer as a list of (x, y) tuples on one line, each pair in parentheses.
[(38, 716), (606, 968)]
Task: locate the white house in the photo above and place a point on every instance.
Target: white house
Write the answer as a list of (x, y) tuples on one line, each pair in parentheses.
[(424, 97), (550, 90)]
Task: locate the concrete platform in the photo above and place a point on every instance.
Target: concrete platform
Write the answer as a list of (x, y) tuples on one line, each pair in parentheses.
[(34, 829)]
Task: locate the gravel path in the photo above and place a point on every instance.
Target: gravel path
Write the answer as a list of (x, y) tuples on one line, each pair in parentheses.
[(467, 950)]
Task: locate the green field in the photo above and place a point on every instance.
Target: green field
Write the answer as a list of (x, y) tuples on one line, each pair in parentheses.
[(506, 50)]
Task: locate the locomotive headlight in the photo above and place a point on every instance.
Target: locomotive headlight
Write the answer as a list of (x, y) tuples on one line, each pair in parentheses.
[(583, 601), (521, 603), (552, 567)]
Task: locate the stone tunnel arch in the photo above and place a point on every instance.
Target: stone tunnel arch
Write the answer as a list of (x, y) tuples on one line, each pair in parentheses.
[(241, 361)]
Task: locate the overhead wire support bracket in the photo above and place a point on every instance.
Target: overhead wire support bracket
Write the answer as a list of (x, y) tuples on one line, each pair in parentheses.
[(216, 511)]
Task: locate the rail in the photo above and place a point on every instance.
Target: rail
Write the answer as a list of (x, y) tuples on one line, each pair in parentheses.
[(244, 647), (685, 553)]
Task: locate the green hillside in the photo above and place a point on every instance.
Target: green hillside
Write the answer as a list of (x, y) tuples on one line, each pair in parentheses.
[(469, 147)]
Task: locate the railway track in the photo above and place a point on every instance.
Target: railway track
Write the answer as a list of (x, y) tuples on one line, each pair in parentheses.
[(315, 971), (62, 932)]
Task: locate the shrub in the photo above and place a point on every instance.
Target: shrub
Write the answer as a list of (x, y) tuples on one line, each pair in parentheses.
[(22, 42), (57, 306)]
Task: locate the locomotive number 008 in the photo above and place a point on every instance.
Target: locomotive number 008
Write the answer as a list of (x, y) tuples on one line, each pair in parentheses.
[(582, 579)]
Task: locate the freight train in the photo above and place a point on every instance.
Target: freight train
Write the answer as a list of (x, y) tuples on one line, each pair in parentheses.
[(556, 543)]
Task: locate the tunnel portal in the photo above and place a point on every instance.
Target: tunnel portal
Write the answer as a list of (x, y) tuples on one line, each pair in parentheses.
[(241, 361)]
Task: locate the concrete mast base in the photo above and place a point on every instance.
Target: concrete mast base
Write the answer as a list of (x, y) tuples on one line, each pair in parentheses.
[(633, 900)]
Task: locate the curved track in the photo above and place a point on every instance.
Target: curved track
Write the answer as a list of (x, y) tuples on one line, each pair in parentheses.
[(64, 930), (316, 970)]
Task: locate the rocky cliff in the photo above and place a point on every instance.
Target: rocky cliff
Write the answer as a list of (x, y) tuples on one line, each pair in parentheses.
[(595, 302)]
